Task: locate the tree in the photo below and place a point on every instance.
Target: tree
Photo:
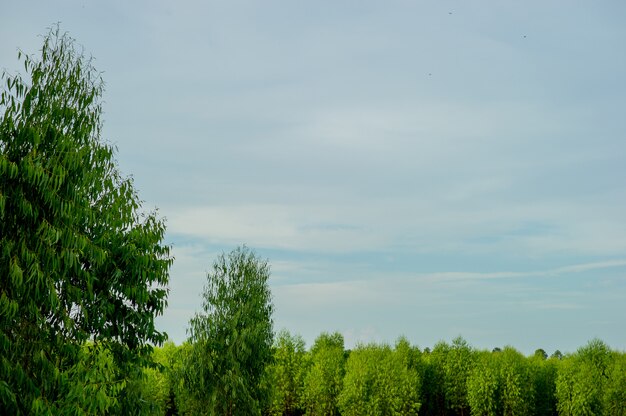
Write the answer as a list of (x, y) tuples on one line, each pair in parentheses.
[(232, 339), (156, 383), (544, 373), (324, 381), (484, 388), (557, 355), (364, 384), (581, 380), (433, 393), (615, 389), (456, 366), (287, 373), (183, 401), (381, 381), (517, 383), (79, 260), (541, 354), (408, 367)]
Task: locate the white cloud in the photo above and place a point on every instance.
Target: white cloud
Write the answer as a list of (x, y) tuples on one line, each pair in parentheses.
[(462, 223), (559, 271), (274, 226)]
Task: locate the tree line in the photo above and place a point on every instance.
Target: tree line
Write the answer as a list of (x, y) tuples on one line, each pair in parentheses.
[(84, 272), (379, 379)]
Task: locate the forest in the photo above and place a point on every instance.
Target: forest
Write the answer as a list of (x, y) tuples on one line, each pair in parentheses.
[(379, 379), (85, 270)]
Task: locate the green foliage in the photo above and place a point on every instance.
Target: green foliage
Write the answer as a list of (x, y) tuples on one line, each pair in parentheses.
[(156, 381), (502, 383), (180, 367), (457, 364), (581, 380), (364, 383), (232, 339), (517, 383), (376, 379), (484, 390), (615, 388), (541, 354), (381, 381), (324, 381), (286, 374), (544, 373), (408, 366), (557, 355), (93, 384), (433, 394), (78, 259)]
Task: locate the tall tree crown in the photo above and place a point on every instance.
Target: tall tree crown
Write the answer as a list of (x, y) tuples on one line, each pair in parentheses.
[(79, 259)]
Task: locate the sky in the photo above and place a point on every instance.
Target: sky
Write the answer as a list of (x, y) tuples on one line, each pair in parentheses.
[(420, 168)]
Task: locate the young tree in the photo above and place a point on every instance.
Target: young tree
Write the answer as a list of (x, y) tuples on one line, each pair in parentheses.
[(408, 366), (180, 367), (381, 381), (544, 380), (365, 383), (155, 383), (232, 339), (433, 393), (286, 374), (484, 389), (517, 383), (324, 381), (78, 259), (615, 389), (456, 366), (540, 353), (581, 380), (557, 355)]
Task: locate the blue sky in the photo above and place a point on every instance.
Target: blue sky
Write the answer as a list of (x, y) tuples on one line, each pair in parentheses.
[(419, 168)]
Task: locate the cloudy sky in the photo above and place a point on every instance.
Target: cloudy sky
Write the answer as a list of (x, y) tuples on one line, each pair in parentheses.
[(426, 168)]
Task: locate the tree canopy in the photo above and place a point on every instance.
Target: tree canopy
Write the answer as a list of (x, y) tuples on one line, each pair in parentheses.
[(79, 259), (232, 338)]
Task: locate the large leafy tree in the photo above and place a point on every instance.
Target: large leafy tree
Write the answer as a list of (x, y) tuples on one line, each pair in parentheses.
[(78, 259), (232, 339)]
